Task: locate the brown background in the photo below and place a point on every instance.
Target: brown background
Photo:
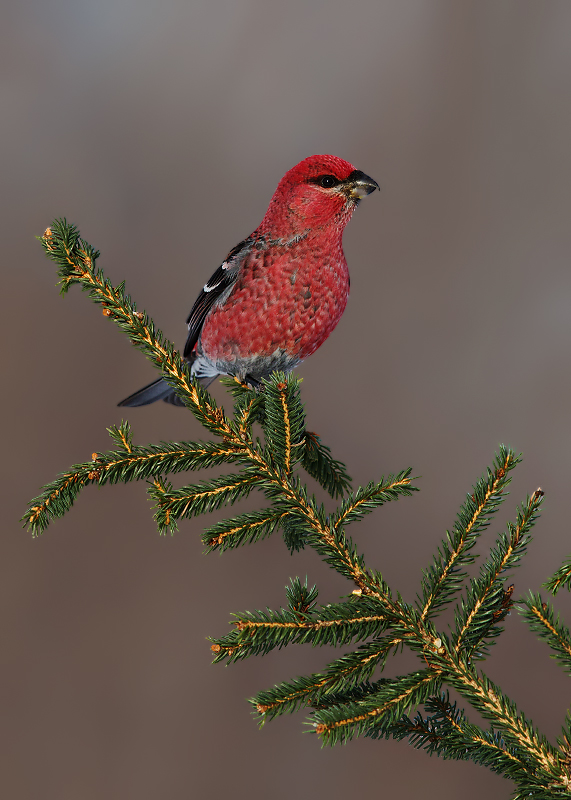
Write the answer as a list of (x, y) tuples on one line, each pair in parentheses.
[(161, 130)]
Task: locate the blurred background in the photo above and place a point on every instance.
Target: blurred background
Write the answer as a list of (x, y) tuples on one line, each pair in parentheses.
[(161, 129)]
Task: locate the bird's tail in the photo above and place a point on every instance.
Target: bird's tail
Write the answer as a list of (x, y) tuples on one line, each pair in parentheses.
[(159, 390)]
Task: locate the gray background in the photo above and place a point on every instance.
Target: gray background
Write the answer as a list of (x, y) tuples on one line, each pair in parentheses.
[(161, 130)]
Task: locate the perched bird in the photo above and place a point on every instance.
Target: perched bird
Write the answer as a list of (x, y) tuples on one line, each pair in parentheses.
[(280, 292)]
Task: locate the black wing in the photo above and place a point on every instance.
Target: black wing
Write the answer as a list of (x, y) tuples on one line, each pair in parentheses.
[(222, 280)]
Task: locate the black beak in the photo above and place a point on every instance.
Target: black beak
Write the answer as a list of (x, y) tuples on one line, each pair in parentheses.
[(360, 185)]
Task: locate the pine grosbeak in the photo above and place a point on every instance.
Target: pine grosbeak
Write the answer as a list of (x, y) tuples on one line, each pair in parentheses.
[(280, 292)]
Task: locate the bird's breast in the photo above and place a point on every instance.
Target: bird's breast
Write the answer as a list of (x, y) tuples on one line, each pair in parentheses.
[(285, 299)]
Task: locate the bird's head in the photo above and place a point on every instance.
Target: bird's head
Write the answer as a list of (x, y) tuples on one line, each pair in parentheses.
[(319, 192)]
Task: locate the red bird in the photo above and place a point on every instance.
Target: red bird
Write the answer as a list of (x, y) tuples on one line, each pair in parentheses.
[(280, 292)]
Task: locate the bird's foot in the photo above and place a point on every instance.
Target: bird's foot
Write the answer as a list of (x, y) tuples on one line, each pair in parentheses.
[(252, 383)]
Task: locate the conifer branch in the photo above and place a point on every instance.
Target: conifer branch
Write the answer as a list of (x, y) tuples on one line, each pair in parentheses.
[(447, 574), (123, 466), (448, 734), (493, 705), (200, 498), (389, 702), (543, 621), (366, 499), (284, 422), (76, 261), (243, 529), (562, 578), (259, 632), (485, 604), (345, 699), (340, 675), (122, 436), (318, 462)]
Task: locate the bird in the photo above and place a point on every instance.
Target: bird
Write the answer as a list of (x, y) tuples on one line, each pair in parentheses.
[(282, 290)]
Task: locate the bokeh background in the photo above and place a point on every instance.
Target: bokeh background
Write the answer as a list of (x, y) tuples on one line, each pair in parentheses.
[(161, 130)]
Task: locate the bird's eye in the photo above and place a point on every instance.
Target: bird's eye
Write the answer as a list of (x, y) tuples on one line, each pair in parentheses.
[(328, 181)]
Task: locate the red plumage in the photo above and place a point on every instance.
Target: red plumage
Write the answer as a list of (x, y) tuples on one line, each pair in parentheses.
[(281, 291)]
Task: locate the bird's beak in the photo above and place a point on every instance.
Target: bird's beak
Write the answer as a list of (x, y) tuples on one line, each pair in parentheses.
[(359, 185)]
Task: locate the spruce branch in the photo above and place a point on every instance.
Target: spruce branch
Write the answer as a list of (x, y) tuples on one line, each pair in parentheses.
[(340, 675), (301, 598), (284, 421), (316, 457), (487, 698), (319, 463), (388, 701), (336, 624), (447, 574), (543, 620), (76, 262), (122, 435), (200, 498), (447, 733), (372, 496), (243, 529), (347, 697), (487, 601), (122, 466), (562, 578)]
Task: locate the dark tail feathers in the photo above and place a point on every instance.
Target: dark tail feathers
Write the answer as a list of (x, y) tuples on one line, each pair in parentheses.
[(158, 390)]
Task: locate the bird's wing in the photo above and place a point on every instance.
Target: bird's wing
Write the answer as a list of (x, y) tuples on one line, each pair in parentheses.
[(220, 283)]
